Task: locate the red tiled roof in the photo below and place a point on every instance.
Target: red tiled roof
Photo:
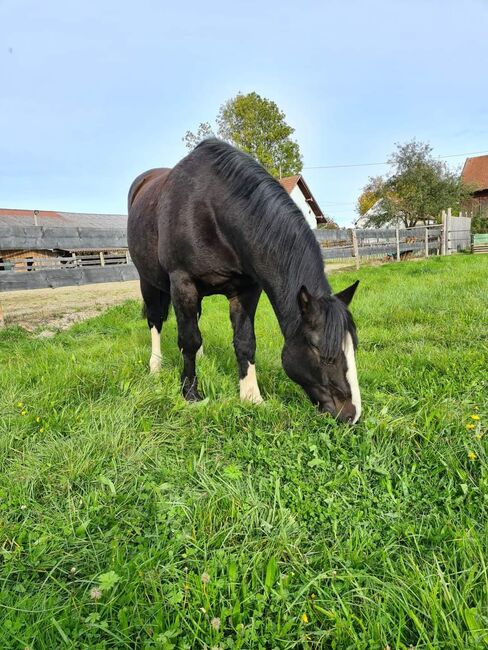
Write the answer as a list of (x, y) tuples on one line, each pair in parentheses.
[(50, 219), (475, 172), (27, 213), (289, 182)]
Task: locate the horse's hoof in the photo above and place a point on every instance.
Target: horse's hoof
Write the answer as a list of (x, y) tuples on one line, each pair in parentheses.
[(190, 392), (193, 396)]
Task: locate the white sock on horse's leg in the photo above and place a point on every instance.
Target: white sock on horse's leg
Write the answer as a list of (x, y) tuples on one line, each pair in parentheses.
[(200, 352), (155, 361), (248, 386)]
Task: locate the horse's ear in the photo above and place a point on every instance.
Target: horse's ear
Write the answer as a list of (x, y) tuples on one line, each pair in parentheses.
[(304, 301), (346, 295)]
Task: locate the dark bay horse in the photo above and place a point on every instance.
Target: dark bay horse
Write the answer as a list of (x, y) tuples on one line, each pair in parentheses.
[(218, 223)]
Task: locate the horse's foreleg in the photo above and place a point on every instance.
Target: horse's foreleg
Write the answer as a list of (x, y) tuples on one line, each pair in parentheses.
[(242, 311), (186, 302)]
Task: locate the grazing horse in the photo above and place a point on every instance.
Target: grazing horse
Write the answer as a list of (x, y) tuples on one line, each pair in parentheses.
[(218, 223)]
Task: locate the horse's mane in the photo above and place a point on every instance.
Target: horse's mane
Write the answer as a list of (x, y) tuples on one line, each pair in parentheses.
[(338, 321), (277, 223)]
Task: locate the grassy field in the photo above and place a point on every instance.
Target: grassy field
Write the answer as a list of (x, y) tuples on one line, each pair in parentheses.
[(129, 519)]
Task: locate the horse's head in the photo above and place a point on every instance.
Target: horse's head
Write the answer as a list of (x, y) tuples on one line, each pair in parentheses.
[(320, 356)]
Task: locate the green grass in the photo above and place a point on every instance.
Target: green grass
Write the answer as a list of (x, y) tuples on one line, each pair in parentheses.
[(116, 497)]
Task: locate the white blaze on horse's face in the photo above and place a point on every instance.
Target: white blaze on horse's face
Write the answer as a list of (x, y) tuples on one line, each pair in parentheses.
[(352, 375), (155, 361)]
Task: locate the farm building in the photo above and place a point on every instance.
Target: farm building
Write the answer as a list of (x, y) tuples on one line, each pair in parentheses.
[(303, 197), (375, 210), (475, 173), (27, 259)]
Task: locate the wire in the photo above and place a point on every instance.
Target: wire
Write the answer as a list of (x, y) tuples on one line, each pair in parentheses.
[(451, 155)]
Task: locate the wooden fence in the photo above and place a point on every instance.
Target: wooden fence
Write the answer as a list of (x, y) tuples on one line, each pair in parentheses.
[(103, 258), (392, 244), (90, 255)]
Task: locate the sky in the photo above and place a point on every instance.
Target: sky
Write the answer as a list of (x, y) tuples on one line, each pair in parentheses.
[(92, 93)]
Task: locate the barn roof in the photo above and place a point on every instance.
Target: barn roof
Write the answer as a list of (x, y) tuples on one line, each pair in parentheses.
[(290, 182), (475, 172), (49, 218)]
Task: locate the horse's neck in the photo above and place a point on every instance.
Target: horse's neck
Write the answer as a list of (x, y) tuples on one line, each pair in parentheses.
[(282, 278)]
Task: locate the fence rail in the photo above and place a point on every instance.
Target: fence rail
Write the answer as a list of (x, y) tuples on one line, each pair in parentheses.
[(65, 277), (43, 238)]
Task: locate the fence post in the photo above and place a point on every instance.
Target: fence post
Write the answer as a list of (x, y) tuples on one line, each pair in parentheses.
[(355, 247), (426, 241), (397, 236), (102, 259), (443, 233), (448, 231)]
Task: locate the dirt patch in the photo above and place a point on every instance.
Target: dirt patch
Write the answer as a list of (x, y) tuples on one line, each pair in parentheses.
[(60, 308)]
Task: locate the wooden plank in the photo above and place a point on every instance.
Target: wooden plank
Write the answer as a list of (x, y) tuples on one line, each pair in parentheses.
[(16, 281), (43, 238)]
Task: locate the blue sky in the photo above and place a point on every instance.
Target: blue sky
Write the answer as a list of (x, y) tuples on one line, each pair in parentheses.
[(93, 93)]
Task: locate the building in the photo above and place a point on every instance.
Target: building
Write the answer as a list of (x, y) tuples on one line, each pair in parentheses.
[(25, 259), (376, 209), (475, 173), (303, 197)]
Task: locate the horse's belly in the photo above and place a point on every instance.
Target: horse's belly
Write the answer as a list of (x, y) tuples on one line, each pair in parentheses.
[(226, 284)]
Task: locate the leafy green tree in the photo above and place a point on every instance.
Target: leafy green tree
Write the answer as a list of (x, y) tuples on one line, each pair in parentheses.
[(192, 139), (371, 193), (417, 188), (257, 126)]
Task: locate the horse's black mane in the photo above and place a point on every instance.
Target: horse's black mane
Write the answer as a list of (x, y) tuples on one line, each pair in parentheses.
[(338, 321), (278, 225)]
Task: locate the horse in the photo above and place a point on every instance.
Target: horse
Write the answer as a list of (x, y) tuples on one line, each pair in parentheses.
[(219, 223)]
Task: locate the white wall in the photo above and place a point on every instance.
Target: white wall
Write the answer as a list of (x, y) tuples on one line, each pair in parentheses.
[(308, 213)]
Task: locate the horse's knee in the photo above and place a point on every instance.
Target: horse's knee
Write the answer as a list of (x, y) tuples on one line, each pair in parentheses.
[(191, 343)]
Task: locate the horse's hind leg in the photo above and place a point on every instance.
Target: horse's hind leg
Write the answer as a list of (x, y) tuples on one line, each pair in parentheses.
[(186, 302), (242, 311), (156, 308)]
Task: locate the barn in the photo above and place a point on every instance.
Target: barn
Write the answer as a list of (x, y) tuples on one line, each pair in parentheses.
[(475, 173), (299, 191), (25, 259)]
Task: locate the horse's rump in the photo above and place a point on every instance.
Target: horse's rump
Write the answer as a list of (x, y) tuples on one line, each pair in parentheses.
[(144, 180)]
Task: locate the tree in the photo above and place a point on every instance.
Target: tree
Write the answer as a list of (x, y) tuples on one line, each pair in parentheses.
[(257, 126), (192, 139), (370, 195), (417, 188)]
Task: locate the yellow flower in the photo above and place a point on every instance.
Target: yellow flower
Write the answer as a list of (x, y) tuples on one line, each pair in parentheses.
[(472, 455), (304, 618), (38, 419), (41, 430), (478, 436), (20, 405), (475, 416), (313, 596), (470, 426), (24, 412)]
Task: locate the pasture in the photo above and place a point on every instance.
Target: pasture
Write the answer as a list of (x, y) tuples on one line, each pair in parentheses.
[(130, 519)]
